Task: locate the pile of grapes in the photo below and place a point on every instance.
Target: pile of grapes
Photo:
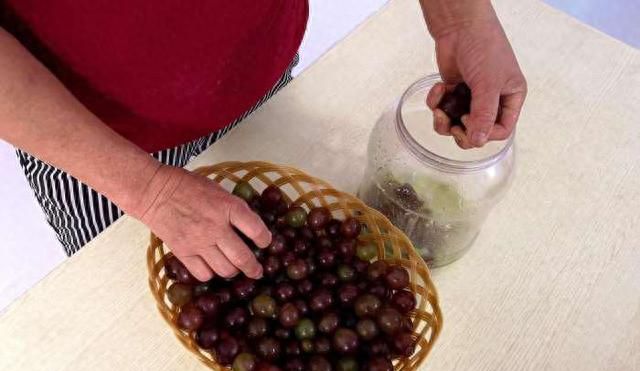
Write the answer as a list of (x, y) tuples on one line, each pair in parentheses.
[(321, 305)]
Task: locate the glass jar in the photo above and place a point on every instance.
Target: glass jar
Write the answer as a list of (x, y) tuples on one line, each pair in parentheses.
[(437, 193)]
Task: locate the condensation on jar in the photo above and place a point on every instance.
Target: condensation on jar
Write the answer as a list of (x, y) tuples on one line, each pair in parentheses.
[(438, 194)]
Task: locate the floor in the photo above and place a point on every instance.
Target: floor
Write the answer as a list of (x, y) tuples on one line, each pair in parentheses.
[(29, 249)]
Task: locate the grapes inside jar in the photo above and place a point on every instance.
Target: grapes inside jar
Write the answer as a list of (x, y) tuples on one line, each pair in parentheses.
[(438, 194)]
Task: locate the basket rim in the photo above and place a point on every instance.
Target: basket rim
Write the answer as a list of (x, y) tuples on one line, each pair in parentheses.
[(265, 167)]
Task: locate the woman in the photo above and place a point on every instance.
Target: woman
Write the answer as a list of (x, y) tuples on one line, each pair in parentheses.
[(90, 89)]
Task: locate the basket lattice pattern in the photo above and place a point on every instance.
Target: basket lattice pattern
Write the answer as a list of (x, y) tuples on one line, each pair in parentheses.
[(307, 191)]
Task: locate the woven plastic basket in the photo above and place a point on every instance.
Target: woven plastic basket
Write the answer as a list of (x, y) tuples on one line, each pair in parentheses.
[(307, 191)]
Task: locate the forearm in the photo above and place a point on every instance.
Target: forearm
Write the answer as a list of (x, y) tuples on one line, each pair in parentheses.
[(38, 115), (444, 16)]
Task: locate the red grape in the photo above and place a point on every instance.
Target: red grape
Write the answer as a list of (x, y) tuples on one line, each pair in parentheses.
[(190, 317)]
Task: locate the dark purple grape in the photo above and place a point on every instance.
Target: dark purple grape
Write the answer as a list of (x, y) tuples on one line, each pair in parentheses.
[(367, 305), (350, 228), (257, 328), (333, 228), (243, 288), (377, 270), (318, 217), (323, 243), (289, 233), (404, 300), (226, 350), (271, 266), (288, 258), (404, 344), (389, 320), (318, 363), (345, 341), (307, 346), (367, 329), (255, 204), (302, 307), (264, 306), (456, 103), (320, 300), (281, 208), (360, 266), (224, 334), (175, 270), (306, 233), (366, 252), (380, 364), (298, 270), (268, 217), (304, 287), (328, 279), (305, 329), (347, 364), (268, 348), (379, 347), (289, 315), (346, 273), (397, 277), (206, 338), (347, 294), (284, 291), (271, 197), (224, 294), (380, 290), (326, 258), (244, 362), (282, 333), (300, 246), (296, 217), (190, 317), (245, 191), (328, 323), (294, 364), (346, 249), (322, 345), (209, 304), (179, 293), (278, 244), (236, 317), (292, 348)]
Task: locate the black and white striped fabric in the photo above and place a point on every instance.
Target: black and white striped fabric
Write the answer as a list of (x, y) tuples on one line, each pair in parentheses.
[(78, 213)]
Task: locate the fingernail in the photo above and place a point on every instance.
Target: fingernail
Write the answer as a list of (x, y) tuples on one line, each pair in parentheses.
[(464, 120), (436, 119), (479, 138)]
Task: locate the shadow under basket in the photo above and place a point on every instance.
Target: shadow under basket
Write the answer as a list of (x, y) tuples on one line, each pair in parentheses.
[(303, 190)]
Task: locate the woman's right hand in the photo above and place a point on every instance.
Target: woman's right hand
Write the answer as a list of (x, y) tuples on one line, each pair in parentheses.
[(195, 217)]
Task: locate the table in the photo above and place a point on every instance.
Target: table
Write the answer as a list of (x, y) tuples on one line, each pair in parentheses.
[(553, 281)]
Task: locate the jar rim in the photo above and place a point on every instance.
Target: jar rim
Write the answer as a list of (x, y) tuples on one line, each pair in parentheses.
[(431, 158)]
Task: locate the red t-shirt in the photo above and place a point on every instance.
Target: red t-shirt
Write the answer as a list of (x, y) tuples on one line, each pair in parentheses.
[(162, 72)]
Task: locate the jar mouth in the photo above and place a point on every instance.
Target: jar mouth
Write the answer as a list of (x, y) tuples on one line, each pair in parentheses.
[(430, 157)]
